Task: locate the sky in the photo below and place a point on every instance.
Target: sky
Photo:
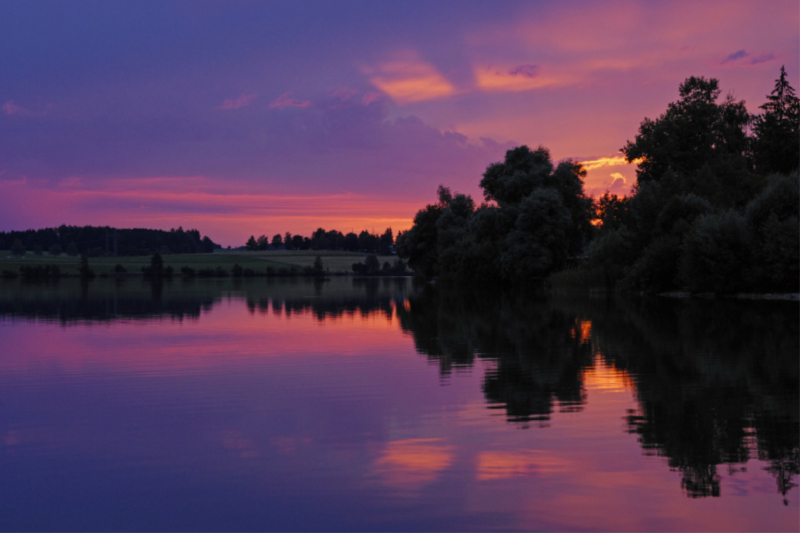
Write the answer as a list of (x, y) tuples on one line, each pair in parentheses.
[(250, 118)]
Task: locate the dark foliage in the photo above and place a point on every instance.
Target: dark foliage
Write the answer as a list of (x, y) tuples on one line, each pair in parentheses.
[(106, 241), (704, 217), (542, 219)]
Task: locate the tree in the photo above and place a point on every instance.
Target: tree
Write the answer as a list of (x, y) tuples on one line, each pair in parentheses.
[(251, 244), (418, 245), (263, 242), (694, 132), (72, 249), (386, 242), (539, 243), (17, 248), (776, 144), (277, 241), (509, 182), (55, 249), (287, 240)]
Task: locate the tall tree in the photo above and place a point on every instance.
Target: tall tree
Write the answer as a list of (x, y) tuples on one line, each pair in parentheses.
[(776, 144), (694, 131)]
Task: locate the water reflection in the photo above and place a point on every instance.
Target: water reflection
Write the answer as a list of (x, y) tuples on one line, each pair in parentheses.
[(716, 381), (68, 301), (539, 351)]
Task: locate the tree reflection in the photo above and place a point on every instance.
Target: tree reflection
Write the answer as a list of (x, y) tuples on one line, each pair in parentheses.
[(716, 381), (538, 352)]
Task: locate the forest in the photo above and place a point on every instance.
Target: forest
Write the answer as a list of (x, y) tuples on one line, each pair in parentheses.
[(714, 208), (94, 241)]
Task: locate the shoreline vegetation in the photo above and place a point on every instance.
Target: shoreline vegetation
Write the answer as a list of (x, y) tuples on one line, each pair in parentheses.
[(715, 211)]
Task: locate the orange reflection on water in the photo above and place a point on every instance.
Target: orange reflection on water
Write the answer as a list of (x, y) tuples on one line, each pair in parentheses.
[(603, 377), (503, 465), (583, 331), (223, 336), (411, 463)]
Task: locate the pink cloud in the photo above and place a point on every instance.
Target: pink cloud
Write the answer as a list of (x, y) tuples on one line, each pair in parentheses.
[(369, 98), (11, 108), (284, 101), (243, 101)]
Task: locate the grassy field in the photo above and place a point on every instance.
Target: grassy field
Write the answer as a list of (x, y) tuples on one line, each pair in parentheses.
[(334, 262)]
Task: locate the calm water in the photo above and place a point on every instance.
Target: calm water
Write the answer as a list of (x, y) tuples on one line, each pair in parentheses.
[(354, 405)]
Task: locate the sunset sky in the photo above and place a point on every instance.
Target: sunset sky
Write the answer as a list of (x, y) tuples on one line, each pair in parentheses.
[(240, 118)]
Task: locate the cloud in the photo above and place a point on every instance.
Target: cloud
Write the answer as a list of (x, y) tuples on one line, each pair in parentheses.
[(529, 71), (243, 101), (284, 101), (369, 97), (744, 58), (734, 56), (10, 108), (607, 162), (617, 184), (406, 79), (519, 78)]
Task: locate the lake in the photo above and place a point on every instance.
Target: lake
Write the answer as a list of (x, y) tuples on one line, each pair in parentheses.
[(380, 404)]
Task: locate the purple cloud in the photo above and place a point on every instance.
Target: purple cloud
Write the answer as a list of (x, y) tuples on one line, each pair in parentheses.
[(763, 58), (11, 108), (734, 57), (243, 101), (284, 101), (743, 57), (528, 71)]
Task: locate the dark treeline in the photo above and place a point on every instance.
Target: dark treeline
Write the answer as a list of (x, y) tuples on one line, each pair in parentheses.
[(715, 207), (326, 240), (105, 241), (716, 382)]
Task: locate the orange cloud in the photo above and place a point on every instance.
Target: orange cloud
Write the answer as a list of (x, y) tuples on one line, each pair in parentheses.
[(608, 162), (517, 78), (407, 79)]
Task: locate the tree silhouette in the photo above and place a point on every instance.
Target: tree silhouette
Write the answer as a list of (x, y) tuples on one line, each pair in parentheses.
[(776, 145)]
